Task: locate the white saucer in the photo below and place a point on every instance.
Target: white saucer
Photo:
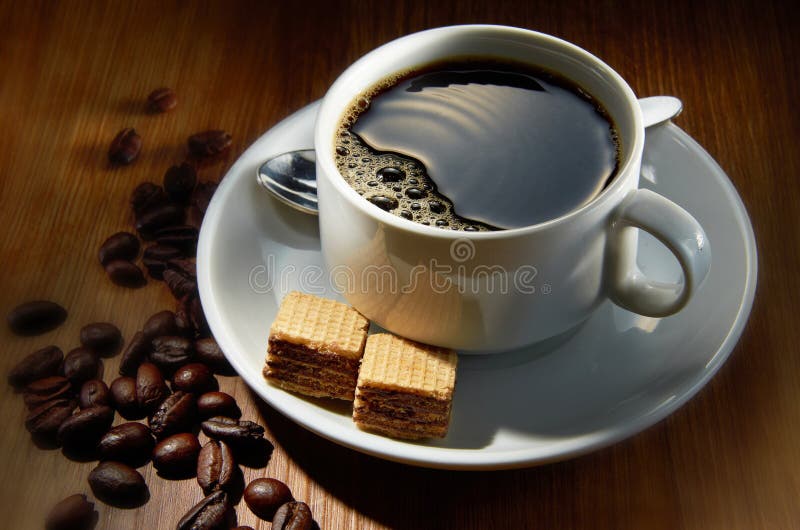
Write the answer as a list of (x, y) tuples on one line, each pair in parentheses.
[(618, 374)]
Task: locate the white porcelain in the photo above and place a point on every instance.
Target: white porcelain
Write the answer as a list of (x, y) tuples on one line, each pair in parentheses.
[(497, 291), (614, 376)]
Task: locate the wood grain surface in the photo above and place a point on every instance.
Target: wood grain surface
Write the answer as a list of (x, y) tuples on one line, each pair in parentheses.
[(73, 73)]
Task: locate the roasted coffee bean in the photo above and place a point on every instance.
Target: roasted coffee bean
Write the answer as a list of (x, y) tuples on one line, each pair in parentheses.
[(181, 237), (209, 353), (265, 495), (101, 337), (123, 397), (125, 147), (80, 365), (45, 419), (293, 515), (122, 245), (158, 217), (176, 414), (179, 279), (147, 196), (94, 393), (155, 259), (232, 431), (209, 143), (211, 513), (201, 196), (42, 363), (34, 318), (119, 485), (190, 317), (131, 443), (44, 390), (161, 324), (213, 404), (171, 352), (151, 389), (84, 428), (162, 100), (72, 513), (125, 274), (176, 456), (216, 467), (195, 378), (194, 217), (179, 181), (136, 352)]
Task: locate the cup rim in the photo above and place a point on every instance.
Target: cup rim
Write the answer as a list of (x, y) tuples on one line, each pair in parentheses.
[(324, 145)]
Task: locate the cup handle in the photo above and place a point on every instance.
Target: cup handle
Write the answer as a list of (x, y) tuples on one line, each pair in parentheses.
[(678, 231)]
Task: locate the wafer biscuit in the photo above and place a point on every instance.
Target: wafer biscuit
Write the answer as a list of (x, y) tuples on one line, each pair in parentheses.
[(315, 345), (405, 389)]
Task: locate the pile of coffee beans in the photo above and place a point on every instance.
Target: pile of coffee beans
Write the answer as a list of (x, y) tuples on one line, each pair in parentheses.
[(167, 372)]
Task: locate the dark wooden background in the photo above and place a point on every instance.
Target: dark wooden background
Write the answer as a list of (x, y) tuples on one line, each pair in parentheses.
[(73, 73)]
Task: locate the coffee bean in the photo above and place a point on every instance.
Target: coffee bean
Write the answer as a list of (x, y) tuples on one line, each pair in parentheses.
[(212, 513), (125, 147), (155, 259), (94, 393), (162, 100), (176, 456), (122, 245), (175, 414), (101, 337), (84, 428), (42, 363), (210, 354), (80, 365), (190, 317), (265, 495), (171, 352), (213, 404), (179, 181), (147, 196), (123, 397), (45, 419), (37, 317), (181, 237), (195, 378), (160, 324), (72, 513), (232, 431), (131, 443), (136, 352), (180, 283), (293, 515), (125, 274), (44, 390), (151, 389), (194, 217), (216, 467), (119, 485), (202, 194), (209, 143), (152, 219)]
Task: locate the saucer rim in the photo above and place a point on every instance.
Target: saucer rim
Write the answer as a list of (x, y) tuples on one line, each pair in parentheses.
[(470, 459)]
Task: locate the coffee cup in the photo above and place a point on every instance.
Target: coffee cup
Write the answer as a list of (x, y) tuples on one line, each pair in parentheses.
[(500, 290)]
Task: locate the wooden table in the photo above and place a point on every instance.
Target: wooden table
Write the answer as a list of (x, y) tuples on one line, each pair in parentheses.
[(73, 73)]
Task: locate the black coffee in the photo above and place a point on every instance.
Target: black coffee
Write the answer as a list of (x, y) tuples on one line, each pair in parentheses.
[(477, 145)]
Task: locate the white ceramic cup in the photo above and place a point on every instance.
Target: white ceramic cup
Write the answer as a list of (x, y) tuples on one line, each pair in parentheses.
[(496, 291)]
